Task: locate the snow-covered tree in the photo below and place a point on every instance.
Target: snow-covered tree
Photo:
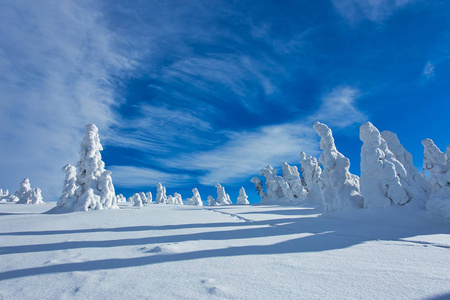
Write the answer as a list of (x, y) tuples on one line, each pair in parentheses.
[(26, 195), (137, 200), (438, 165), (311, 173), (121, 198), (278, 189), (95, 187), (177, 199), (381, 173), (5, 196), (161, 197), (341, 189), (292, 178), (211, 201), (143, 198), (149, 197), (170, 200), (70, 187), (416, 186), (259, 187), (222, 197), (242, 198), (196, 199)]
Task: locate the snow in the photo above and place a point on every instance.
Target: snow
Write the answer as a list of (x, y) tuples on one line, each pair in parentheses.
[(222, 252)]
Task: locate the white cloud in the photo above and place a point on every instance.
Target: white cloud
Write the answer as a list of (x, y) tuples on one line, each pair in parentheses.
[(428, 70), (373, 10), (57, 62), (136, 177), (247, 152), (338, 108)]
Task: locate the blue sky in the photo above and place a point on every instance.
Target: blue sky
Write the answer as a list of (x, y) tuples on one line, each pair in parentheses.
[(191, 93)]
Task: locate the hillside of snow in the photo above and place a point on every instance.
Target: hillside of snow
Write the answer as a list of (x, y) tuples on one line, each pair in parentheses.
[(222, 252)]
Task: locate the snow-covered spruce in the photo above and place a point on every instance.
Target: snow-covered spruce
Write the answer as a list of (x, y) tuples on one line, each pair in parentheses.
[(196, 199), (416, 186), (143, 198), (26, 195), (149, 197), (121, 198), (161, 197), (292, 178), (382, 175), (222, 197), (177, 199), (341, 190), (278, 190), (242, 198), (311, 178), (438, 164), (211, 201), (93, 185), (7, 197)]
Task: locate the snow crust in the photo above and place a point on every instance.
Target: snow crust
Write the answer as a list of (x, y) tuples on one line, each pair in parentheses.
[(341, 188)]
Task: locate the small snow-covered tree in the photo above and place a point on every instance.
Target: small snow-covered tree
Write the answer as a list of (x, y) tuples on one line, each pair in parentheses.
[(341, 189), (121, 198), (222, 197), (211, 201), (278, 189), (381, 172), (70, 186), (143, 198), (311, 178), (177, 199), (415, 185), (259, 187), (438, 165), (242, 198), (196, 199), (149, 197), (170, 200), (26, 195), (137, 200), (161, 197), (95, 189), (292, 178), (36, 196)]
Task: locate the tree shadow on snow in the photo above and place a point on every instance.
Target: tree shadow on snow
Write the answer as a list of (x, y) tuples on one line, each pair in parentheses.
[(302, 235)]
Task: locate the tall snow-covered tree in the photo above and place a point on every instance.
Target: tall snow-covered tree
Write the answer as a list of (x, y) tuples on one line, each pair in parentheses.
[(161, 197), (415, 185), (381, 173), (292, 177), (277, 188), (95, 186), (242, 198), (438, 165), (222, 197), (341, 189), (70, 187), (311, 178), (196, 199)]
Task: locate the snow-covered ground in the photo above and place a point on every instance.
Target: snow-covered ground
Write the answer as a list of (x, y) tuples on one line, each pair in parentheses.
[(232, 252)]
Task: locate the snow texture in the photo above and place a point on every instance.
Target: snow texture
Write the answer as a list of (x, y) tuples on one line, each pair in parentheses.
[(341, 188), (382, 175), (417, 187), (94, 188), (222, 197), (242, 198), (26, 195), (196, 199), (311, 178), (161, 197), (438, 165)]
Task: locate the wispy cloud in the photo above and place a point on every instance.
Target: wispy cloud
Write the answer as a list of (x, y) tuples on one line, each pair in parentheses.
[(338, 108), (136, 177), (373, 10), (57, 68), (428, 70)]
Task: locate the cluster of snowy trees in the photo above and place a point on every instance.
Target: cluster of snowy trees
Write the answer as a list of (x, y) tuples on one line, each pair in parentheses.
[(25, 195), (388, 176)]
